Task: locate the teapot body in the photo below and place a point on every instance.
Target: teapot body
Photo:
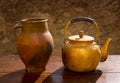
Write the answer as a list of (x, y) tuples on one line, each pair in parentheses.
[(81, 57)]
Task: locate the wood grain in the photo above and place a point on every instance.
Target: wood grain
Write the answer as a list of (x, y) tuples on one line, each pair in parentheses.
[(12, 70)]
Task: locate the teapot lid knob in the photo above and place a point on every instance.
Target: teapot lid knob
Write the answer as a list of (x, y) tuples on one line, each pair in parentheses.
[(81, 33)]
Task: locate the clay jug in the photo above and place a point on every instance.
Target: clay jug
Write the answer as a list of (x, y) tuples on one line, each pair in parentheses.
[(34, 44)]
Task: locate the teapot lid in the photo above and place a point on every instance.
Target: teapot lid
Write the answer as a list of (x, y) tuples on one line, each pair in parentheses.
[(81, 37)]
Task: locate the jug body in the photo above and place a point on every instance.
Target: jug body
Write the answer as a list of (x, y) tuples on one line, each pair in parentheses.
[(34, 44)]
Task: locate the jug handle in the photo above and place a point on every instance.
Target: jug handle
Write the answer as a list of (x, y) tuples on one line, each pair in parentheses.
[(16, 27), (90, 20)]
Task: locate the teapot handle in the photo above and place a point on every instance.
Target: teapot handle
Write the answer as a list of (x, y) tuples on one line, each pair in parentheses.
[(90, 20)]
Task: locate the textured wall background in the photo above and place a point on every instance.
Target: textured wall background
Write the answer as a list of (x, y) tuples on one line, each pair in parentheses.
[(105, 12)]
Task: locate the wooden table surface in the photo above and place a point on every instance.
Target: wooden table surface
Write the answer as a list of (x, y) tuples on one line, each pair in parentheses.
[(12, 70)]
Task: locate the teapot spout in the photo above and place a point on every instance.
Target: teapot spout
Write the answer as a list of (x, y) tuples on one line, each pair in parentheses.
[(104, 50)]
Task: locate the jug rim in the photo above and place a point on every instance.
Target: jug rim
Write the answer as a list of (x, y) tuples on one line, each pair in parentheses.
[(34, 20)]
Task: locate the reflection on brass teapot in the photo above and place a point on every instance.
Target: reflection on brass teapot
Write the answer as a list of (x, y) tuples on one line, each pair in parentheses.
[(81, 53)]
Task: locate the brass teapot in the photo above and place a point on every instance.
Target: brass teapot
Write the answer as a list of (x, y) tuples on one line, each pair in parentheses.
[(81, 53)]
